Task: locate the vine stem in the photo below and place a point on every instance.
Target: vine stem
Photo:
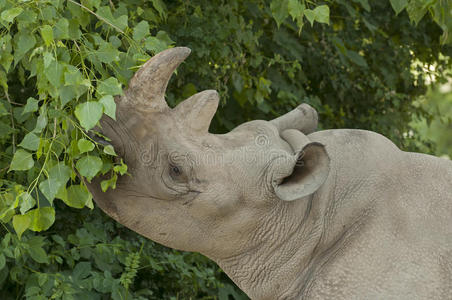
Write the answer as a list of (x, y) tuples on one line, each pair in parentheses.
[(97, 16)]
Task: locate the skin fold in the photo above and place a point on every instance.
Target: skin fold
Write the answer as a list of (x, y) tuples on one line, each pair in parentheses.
[(287, 212)]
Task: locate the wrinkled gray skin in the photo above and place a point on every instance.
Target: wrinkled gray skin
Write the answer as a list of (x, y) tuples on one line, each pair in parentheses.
[(335, 214)]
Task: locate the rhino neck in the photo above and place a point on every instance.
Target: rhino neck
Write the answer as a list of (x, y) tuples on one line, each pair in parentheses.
[(287, 239), (296, 241)]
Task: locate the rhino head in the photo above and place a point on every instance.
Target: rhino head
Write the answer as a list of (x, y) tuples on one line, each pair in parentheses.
[(192, 190)]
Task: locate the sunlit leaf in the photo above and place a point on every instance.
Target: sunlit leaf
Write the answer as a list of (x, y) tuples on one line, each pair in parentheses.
[(22, 160), (89, 166), (21, 223), (30, 142), (10, 14), (398, 5), (140, 30), (26, 202), (89, 113), (49, 188), (279, 9), (109, 106), (77, 196), (110, 86), (85, 146), (47, 34), (109, 150), (41, 218), (31, 106)]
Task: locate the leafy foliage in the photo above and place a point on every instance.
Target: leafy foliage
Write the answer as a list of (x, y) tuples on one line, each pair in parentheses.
[(437, 131), (439, 10), (63, 62)]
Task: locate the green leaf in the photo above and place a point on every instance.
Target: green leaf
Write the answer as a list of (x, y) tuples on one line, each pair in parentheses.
[(26, 202), (22, 160), (365, 4), (310, 15), (322, 14), (49, 188), (296, 9), (48, 58), (5, 60), (77, 196), (42, 278), (105, 184), (159, 5), (121, 169), (72, 76), (356, 58), (416, 10), (36, 251), (85, 146), (109, 106), (120, 22), (154, 44), (111, 86), (47, 34), (62, 29), (55, 73), (60, 172), (41, 218), (24, 41), (89, 166), (20, 224), (30, 142), (10, 14), (279, 9), (140, 31), (3, 111), (31, 106), (2, 261), (89, 113), (41, 122), (5, 129), (107, 53), (398, 5), (81, 270), (109, 150)]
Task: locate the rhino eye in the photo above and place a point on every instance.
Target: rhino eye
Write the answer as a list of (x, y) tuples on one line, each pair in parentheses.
[(175, 171)]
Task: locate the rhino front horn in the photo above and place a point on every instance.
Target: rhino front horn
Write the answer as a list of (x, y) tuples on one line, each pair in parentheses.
[(147, 87)]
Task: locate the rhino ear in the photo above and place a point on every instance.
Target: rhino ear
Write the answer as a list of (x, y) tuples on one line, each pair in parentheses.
[(309, 173), (197, 111)]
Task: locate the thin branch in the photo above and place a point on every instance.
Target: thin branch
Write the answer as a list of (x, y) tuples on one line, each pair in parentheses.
[(12, 120), (97, 16)]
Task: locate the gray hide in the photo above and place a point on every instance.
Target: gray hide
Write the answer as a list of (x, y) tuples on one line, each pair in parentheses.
[(288, 213)]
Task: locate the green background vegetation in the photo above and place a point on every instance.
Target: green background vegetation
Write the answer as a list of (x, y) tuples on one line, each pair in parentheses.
[(361, 64)]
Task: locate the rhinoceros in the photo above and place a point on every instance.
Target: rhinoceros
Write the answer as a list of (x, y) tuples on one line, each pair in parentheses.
[(286, 211)]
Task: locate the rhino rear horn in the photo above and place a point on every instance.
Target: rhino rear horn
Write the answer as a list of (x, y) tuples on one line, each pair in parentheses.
[(147, 87), (197, 111)]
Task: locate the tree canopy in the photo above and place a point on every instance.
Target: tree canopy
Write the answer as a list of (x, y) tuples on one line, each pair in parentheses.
[(361, 64)]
